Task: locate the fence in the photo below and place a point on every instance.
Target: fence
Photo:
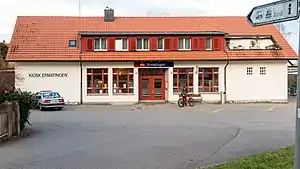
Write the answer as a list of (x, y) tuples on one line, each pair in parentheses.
[(9, 120)]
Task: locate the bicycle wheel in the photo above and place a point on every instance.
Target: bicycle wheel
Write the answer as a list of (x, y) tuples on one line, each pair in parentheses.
[(180, 102), (191, 102)]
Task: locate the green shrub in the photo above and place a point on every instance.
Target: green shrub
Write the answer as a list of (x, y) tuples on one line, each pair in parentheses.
[(26, 103)]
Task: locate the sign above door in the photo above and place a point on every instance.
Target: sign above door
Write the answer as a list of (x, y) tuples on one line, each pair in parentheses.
[(154, 64)]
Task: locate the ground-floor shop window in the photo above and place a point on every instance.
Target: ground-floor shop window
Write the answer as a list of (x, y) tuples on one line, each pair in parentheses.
[(208, 79), (183, 77), (122, 80), (97, 81)]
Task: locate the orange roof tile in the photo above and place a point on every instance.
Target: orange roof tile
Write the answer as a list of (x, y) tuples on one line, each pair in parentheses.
[(47, 37)]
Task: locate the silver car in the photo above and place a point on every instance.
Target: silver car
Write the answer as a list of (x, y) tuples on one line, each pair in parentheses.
[(48, 99)]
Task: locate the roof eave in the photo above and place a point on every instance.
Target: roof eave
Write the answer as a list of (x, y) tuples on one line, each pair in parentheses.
[(150, 33)]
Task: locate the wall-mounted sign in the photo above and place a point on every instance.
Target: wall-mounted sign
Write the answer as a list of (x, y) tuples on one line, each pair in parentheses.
[(48, 75), (154, 64)]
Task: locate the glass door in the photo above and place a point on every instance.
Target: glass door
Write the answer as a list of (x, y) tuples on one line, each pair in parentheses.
[(152, 88), (145, 88), (158, 88)]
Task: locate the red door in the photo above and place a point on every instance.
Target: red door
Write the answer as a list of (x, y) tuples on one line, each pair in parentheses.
[(152, 88)]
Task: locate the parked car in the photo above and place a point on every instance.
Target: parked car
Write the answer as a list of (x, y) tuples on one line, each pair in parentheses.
[(48, 99)]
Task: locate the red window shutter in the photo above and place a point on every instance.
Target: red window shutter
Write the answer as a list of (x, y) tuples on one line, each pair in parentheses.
[(195, 43), (167, 44), (202, 43), (175, 44), (216, 43), (111, 44), (132, 44), (90, 44), (153, 43)]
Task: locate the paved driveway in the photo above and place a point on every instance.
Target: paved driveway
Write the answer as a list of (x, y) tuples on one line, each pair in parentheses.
[(149, 137)]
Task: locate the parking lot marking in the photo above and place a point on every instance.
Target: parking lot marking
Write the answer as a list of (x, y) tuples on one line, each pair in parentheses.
[(218, 110), (270, 109)]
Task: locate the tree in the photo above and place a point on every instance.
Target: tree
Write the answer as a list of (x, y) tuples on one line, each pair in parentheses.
[(3, 50)]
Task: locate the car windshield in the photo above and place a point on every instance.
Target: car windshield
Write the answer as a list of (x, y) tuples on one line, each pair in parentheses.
[(51, 95)]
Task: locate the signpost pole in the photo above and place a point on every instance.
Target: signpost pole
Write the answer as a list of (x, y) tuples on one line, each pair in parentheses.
[(297, 134)]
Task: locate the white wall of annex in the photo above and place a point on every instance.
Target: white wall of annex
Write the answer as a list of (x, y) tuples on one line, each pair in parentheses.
[(256, 87), (68, 87)]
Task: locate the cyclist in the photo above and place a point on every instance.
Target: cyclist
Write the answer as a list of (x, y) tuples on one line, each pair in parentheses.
[(184, 93)]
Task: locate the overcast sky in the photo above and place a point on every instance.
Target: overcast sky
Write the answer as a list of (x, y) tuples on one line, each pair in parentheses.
[(10, 9)]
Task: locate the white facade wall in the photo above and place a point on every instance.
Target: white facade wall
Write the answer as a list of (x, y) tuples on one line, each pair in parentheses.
[(240, 86), (256, 87), (246, 43), (68, 87)]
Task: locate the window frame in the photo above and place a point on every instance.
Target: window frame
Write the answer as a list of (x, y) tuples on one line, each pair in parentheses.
[(211, 43), (92, 74), (184, 41), (263, 70), (177, 72), (122, 41), (128, 87), (214, 71), (100, 44), (72, 46), (143, 44), (249, 71), (163, 44)]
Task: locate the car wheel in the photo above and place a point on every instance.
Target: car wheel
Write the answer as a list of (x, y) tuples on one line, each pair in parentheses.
[(41, 108), (59, 108)]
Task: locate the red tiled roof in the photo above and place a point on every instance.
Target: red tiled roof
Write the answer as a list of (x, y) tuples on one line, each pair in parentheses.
[(47, 38)]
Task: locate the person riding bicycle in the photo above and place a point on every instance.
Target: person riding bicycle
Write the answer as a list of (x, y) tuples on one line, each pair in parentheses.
[(184, 93)]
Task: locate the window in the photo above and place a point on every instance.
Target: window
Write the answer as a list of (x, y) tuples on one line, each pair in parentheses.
[(121, 44), (183, 77), (262, 70), (208, 79), (142, 44), (249, 70), (100, 44), (123, 80), (72, 43), (184, 44), (97, 81), (208, 43), (160, 44)]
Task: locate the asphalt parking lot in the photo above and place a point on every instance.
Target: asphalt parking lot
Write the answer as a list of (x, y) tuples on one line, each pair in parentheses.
[(161, 136)]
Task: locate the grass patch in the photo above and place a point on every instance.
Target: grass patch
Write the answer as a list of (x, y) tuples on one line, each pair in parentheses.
[(279, 159)]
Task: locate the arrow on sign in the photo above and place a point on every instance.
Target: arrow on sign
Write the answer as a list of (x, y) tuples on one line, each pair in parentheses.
[(275, 12)]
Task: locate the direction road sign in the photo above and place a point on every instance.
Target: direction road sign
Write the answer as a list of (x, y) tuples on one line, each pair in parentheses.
[(275, 12)]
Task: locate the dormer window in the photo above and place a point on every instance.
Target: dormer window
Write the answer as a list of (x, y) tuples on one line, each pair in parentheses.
[(142, 44), (208, 43), (184, 44), (100, 45)]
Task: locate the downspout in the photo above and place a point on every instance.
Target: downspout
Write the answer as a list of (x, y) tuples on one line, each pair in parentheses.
[(225, 74), (80, 63)]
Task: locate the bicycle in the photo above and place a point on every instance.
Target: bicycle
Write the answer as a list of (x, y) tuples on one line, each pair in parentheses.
[(189, 100)]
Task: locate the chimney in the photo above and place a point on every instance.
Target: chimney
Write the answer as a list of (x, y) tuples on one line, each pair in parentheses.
[(109, 15)]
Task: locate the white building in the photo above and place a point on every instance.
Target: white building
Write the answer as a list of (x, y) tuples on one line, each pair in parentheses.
[(135, 59)]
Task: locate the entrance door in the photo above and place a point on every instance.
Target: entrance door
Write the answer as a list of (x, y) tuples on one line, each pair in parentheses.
[(152, 88)]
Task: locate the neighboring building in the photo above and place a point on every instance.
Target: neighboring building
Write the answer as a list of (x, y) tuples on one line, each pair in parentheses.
[(130, 59)]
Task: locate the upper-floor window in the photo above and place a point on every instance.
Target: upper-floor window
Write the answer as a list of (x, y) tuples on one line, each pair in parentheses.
[(208, 43), (249, 70), (142, 44), (100, 44), (262, 70), (184, 44), (121, 44), (160, 44)]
